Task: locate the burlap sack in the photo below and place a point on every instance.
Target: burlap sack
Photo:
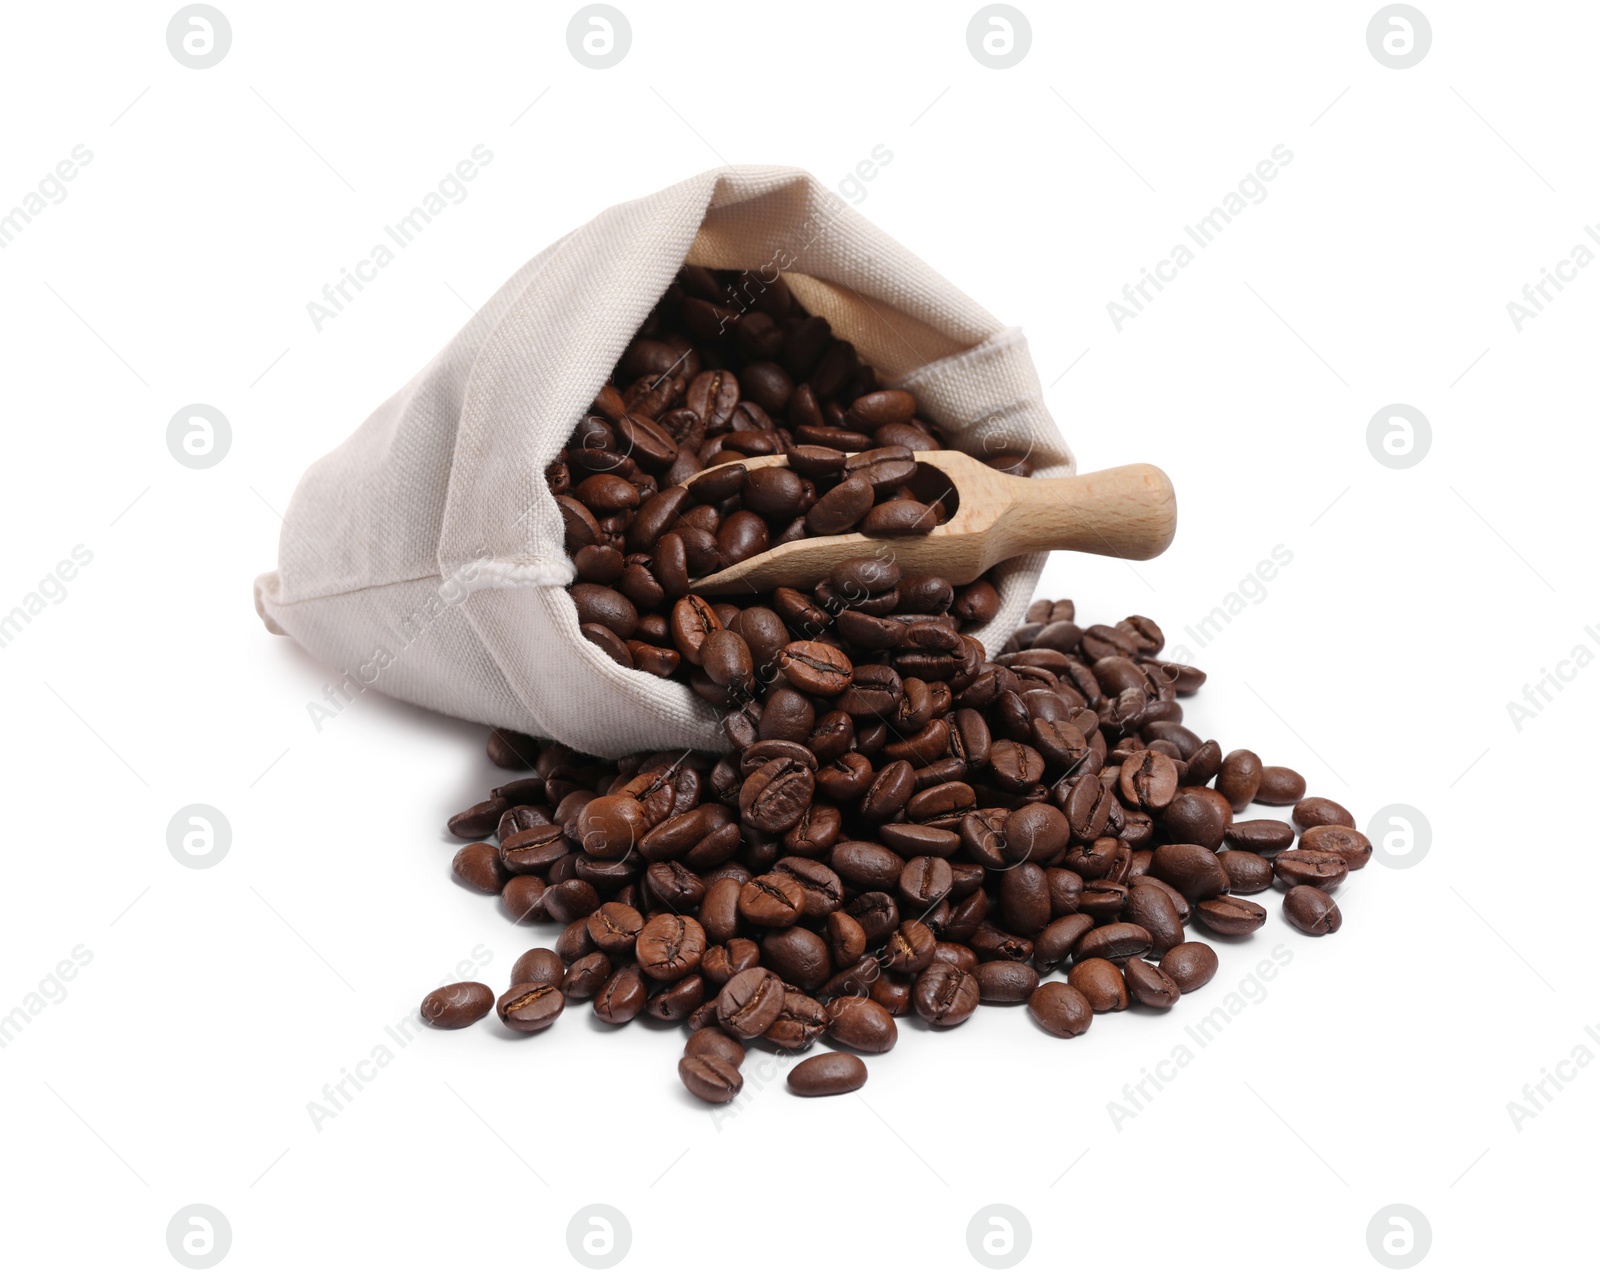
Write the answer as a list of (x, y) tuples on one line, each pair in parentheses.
[(424, 556)]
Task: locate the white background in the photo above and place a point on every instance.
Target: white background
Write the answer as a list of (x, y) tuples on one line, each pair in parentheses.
[(218, 1003)]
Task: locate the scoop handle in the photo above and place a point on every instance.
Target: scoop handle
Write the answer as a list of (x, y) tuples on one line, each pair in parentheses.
[(1130, 512)]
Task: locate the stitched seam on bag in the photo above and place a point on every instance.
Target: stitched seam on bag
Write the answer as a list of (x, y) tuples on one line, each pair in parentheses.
[(543, 574), (518, 574)]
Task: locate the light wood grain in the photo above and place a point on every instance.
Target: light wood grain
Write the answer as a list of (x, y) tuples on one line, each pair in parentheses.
[(1127, 512)]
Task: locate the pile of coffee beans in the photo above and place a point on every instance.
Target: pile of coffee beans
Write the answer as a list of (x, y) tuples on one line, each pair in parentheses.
[(901, 825), (726, 368)]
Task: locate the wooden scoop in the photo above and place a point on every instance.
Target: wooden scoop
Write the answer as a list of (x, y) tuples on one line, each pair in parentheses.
[(1129, 511)]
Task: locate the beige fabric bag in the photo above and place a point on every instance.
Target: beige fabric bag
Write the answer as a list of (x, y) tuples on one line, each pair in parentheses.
[(424, 557)]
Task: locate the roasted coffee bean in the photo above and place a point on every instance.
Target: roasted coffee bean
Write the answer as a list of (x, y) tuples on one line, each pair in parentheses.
[(1149, 985), (1351, 845), (598, 604), (774, 492), (875, 692), (750, 1002), (841, 508), (719, 909), (1015, 766), (574, 942), (884, 407), (992, 943), (582, 527), (868, 632), (1100, 983), (522, 897), (955, 953), (1152, 909), (940, 802), (1149, 780), (1239, 778), (457, 1005), (1280, 786), (531, 1006), (480, 820), (675, 886), (977, 603), (1193, 870), (715, 485), (900, 517), (1323, 868), (856, 979), (693, 620), (1247, 873), (610, 826), (1116, 941), (540, 964), (527, 790), (1232, 917), (726, 660), (797, 955), (1311, 911), (669, 947), (1259, 835), (847, 940), (1190, 964), (1035, 833), (1087, 806), (535, 849), (823, 890), (571, 899), (945, 995), (1103, 900), (889, 791), (1197, 816), (1024, 896), (1184, 739), (725, 959), (814, 835), (924, 881), (1202, 765), (614, 647), (827, 1075), (816, 668), (710, 1077), (1060, 1009), (893, 992), (622, 998), (711, 1040), (909, 949), (862, 1024), (648, 443), (676, 1002), (1054, 943), (867, 865), (478, 866), (1005, 982), (586, 976), (800, 1023), (776, 796), (864, 576), (916, 840), (771, 901), (1319, 811)]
